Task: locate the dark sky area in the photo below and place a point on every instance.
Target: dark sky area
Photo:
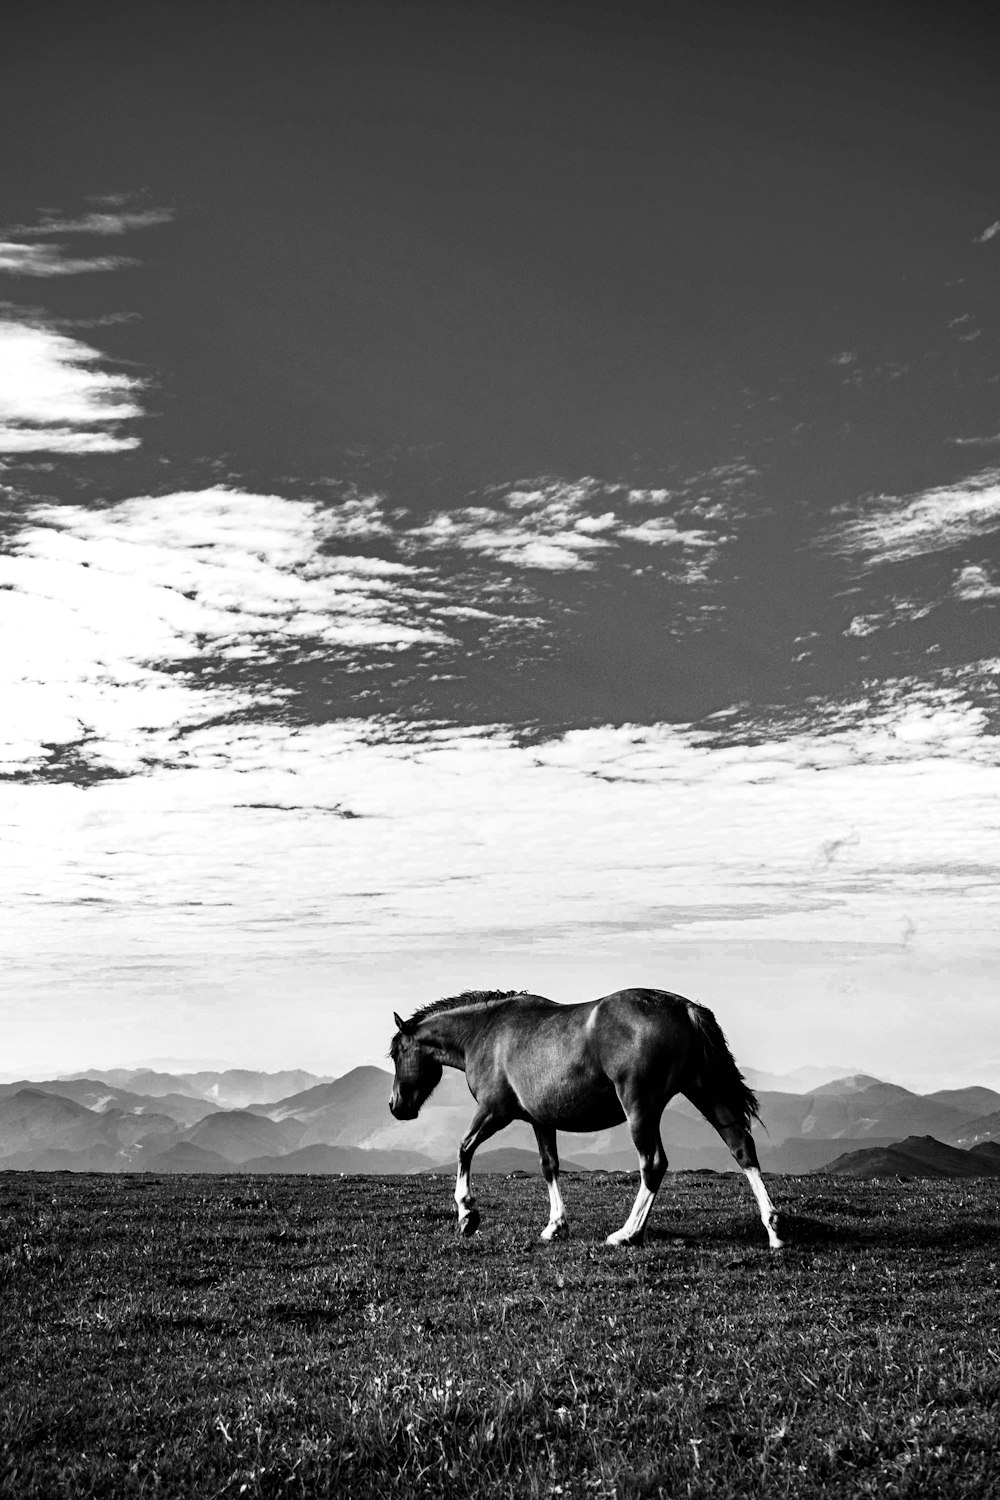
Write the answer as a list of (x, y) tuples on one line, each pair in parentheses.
[(425, 249), (527, 238)]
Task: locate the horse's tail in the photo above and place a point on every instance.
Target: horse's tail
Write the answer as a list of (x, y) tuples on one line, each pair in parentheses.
[(715, 1067)]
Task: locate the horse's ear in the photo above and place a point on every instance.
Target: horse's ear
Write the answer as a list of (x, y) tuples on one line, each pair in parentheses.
[(400, 1023)]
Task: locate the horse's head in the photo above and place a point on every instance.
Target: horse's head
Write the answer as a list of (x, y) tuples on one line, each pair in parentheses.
[(417, 1073)]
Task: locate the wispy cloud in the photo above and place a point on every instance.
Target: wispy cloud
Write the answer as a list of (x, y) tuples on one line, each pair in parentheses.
[(49, 260), (104, 608), (54, 397), (41, 256), (989, 233), (898, 612), (964, 327), (889, 528), (107, 221), (558, 526), (550, 539)]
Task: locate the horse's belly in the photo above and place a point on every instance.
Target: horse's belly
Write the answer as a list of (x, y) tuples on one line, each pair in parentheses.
[(574, 1114)]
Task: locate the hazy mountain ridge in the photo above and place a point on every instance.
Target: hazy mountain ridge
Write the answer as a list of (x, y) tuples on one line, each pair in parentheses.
[(227, 1088), (99, 1095), (35, 1123), (102, 1121)]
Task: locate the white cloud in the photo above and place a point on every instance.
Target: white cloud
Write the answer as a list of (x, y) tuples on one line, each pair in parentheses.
[(464, 612), (556, 526), (658, 497), (976, 582), (107, 221), (360, 518), (61, 440), (114, 216), (551, 528), (638, 855), (663, 531), (49, 260), (898, 611), (892, 529), (989, 233), (535, 542), (53, 398), (94, 601), (863, 625)]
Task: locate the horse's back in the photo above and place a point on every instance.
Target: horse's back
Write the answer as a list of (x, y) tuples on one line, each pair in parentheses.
[(643, 1018), (639, 1029), (632, 1002), (644, 1001)]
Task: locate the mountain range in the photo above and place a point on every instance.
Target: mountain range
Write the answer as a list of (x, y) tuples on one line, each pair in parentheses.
[(121, 1120), (919, 1156)]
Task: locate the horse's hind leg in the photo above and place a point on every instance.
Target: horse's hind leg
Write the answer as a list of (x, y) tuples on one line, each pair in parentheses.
[(484, 1124), (740, 1142), (558, 1226), (645, 1129)]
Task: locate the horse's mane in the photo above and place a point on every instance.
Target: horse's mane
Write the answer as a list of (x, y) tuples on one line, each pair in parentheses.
[(467, 997)]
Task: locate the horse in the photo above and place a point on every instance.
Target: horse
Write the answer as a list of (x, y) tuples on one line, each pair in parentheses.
[(579, 1068)]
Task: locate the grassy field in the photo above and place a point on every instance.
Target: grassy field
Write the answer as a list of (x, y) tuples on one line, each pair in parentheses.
[(273, 1336)]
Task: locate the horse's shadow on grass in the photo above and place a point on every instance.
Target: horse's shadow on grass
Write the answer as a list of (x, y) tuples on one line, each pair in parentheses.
[(307, 1316), (805, 1232), (199, 1323)]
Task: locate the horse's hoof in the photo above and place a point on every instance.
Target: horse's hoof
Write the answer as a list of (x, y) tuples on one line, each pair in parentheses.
[(470, 1223), (558, 1231), (623, 1241)]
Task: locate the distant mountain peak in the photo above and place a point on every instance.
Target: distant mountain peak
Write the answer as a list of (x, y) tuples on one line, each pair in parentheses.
[(851, 1083)]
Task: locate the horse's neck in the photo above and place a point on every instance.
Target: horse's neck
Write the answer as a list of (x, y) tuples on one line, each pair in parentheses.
[(446, 1037)]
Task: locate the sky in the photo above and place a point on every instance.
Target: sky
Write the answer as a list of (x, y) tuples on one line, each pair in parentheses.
[(499, 497)]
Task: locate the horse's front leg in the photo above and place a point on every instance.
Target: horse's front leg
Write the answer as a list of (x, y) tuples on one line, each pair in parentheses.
[(558, 1226), (485, 1124)]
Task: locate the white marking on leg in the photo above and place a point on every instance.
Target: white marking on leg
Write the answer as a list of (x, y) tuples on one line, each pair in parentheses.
[(632, 1230), (558, 1227), (468, 1215), (768, 1215)]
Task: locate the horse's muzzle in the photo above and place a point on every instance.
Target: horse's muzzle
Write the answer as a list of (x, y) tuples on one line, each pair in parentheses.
[(401, 1111)]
